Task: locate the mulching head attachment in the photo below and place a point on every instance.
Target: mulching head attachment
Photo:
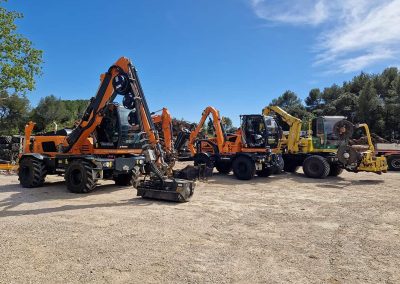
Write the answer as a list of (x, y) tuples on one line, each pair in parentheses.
[(176, 190)]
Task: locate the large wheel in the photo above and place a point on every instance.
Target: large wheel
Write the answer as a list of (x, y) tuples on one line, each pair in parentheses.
[(31, 172), (15, 147), (335, 170), (124, 179), (16, 139), (316, 167), (5, 146), (394, 163), (5, 139), (79, 177), (223, 167), (244, 168)]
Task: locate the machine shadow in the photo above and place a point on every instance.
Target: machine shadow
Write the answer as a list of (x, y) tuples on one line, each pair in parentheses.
[(57, 191), (329, 182)]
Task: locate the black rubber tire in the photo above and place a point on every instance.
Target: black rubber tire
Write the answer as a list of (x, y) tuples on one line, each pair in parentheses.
[(244, 168), (15, 147), (5, 139), (290, 167), (5, 154), (16, 139), (335, 170), (79, 177), (124, 179), (31, 172), (393, 163), (316, 167), (223, 167), (5, 146)]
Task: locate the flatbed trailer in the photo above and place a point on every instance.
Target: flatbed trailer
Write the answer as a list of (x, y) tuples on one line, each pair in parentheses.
[(392, 153)]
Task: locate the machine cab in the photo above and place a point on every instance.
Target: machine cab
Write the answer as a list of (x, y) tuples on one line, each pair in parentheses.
[(118, 129), (323, 136), (260, 131)]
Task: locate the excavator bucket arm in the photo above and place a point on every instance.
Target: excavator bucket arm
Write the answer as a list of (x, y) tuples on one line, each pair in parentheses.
[(294, 124)]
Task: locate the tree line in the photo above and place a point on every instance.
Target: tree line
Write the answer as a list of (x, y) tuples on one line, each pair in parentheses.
[(367, 98), (370, 98), (15, 112)]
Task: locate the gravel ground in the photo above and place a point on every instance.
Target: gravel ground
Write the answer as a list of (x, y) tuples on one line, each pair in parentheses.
[(284, 228)]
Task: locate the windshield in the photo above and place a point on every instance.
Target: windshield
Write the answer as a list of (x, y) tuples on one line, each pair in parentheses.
[(273, 131), (331, 138)]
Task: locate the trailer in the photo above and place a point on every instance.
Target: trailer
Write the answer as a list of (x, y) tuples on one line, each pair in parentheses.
[(392, 153)]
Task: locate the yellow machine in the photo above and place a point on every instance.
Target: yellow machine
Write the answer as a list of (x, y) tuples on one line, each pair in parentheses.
[(324, 149)]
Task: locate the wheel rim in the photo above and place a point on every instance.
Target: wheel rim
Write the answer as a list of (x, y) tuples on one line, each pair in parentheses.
[(76, 177), (396, 164)]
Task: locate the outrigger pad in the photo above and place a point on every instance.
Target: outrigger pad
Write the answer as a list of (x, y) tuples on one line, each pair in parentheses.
[(177, 190)]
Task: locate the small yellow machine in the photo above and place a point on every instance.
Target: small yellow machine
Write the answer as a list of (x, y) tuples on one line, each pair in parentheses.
[(324, 149)]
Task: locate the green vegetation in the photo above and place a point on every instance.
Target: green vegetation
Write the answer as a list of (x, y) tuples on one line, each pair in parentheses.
[(370, 98), (374, 99), (19, 61)]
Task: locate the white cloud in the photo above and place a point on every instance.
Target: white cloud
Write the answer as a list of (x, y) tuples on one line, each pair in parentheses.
[(292, 12), (354, 34)]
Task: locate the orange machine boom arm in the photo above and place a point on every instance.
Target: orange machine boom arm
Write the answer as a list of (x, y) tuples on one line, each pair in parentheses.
[(106, 94), (166, 124), (219, 133)]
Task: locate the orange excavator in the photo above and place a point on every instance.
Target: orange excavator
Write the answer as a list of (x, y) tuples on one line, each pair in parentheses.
[(112, 141), (247, 152)]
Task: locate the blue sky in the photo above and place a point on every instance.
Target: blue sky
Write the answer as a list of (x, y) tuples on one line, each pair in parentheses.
[(236, 55)]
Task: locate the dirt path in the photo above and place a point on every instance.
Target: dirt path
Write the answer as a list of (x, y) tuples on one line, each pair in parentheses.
[(285, 228)]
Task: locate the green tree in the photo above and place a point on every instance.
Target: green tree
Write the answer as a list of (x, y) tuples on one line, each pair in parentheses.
[(314, 101), (50, 110), (228, 125), (370, 108), (210, 127), (346, 104), (19, 61), (290, 102), (14, 112), (392, 110)]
